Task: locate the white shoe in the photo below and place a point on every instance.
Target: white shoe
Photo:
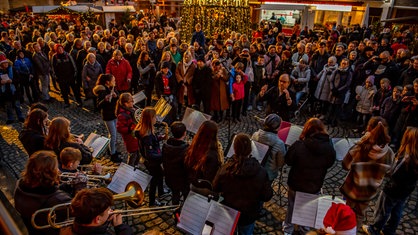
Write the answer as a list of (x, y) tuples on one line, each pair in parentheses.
[(249, 108), (259, 108)]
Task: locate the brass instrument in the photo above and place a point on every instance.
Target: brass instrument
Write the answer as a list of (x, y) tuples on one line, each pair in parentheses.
[(93, 180), (137, 113), (105, 168), (134, 196)]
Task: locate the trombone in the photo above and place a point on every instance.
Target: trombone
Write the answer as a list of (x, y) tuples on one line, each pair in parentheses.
[(134, 196), (92, 180), (105, 168)]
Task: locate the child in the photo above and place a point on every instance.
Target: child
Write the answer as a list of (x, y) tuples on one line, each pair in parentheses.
[(391, 107), (381, 95), (173, 153), (364, 97), (237, 96), (125, 125)]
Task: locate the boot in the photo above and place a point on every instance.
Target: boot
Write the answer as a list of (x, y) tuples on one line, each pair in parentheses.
[(115, 158)]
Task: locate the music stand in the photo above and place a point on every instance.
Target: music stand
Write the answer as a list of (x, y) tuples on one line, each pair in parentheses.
[(259, 151), (138, 97)]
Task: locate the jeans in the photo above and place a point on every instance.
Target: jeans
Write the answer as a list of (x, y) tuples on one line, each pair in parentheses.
[(287, 223), (299, 96), (111, 128), (13, 104), (246, 229), (44, 86), (387, 215)]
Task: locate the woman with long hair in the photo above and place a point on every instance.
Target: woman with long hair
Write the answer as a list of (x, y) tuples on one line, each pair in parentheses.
[(309, 159), (402, 182), (243, 171), (151, 151), (34, 131), (107, 97), (367, 161), (38, 189), (59, 137), (205, 156), (147, 73), (166, 57)]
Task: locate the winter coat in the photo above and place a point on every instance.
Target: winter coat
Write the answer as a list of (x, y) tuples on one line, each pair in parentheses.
[(41, 64), (122, 229), (202, 81), (309, 160), (32, 140), (125, 125), (184, 77), (173, 153), (387, 70), (146, 74), (92, 71), (303, 77), (340, 84), (408, 76), (107, 107), (9, 91), (318, 62), (275, 159), (244, 191), (64, 67), (239, 89), (380, 96), (365, 99), (23, 67), (277, 103), (208, 170), (390, 110), (271, 62), (366, 172), (323, 88), (160, 87), (28, 200), (219, 94), (402, 181), (122, 71)]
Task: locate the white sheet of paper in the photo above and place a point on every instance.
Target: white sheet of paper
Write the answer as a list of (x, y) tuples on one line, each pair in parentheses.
[(4, 77), (342, 145), (305, 209), (138, 97), (193, 119), (294, 134), (97, 143), (258, 150), (223, 218), (125, 174), (193, 214)]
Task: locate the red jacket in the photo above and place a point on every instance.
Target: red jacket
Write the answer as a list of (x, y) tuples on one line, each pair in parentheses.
[(125, 124), (238, 88), (122, 71)]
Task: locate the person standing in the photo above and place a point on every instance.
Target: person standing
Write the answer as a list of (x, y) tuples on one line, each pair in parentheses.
[(219, 101), (184, 77), (42, 69), (120, 68), (202, 85)]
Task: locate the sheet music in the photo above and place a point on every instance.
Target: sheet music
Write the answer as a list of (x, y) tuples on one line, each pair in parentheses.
[(324, 203), (305, 209), (342, 145), (223, 217), (125, 174), (193, 119), (97, 143), (193, 213), (4, 77), (293, 135), (258, 150), (138, 97)]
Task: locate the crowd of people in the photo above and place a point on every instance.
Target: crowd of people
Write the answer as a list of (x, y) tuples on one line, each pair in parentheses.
[(348, 74)]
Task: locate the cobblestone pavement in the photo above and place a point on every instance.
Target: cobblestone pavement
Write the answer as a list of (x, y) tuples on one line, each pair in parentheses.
[(84, 121)]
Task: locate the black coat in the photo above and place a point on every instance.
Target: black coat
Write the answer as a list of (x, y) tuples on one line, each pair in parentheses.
[(32, 140), (402, 182), (107, 108), (209, 169), (245, 190), (278, 104), (173, 153), (309, 160)]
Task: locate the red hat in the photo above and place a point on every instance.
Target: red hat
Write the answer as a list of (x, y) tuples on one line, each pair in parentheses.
[(340, 219), (56, 46), (229, 42), (3, 58)]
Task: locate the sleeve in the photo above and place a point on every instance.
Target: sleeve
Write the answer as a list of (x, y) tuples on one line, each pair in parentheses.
[(150, 151), (122, 124), (129, 70), (291, 153), (123, 229), (348, 159), (307, 76)]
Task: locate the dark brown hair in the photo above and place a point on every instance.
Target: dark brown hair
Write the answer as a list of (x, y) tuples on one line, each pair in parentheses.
[(89, 203), (41, 170), (312, 127)]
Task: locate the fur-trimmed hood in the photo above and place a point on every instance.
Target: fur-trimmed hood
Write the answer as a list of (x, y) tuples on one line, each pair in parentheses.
[(97, 89)]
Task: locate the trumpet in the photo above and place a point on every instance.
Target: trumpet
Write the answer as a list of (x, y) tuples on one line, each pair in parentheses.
[(133, 195), (105, 168), (95, 178)]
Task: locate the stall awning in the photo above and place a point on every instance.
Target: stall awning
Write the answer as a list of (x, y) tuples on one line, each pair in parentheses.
[(77, 8), (283, 6), (118, 9), (407, 19), (43, 9)]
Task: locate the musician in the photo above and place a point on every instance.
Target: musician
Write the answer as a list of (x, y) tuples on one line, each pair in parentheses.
[(173, 153), (166, 86), (59, 137), (106, 104), (37, 189), (34, 131), (243, 172), (151, 151), (125, 125), (91, 211)]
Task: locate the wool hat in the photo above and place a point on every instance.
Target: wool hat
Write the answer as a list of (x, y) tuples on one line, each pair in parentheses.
[(201, 58), (245, 49), (3, 59), (340, 219), (272, 122), (370, 79), (165, 64), (229, 42), (56, 46), (368, 48)]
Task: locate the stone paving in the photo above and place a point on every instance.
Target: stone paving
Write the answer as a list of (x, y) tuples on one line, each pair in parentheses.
[(83, 121)]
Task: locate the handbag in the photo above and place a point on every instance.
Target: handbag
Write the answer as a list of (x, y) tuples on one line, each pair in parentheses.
[(249, 71)]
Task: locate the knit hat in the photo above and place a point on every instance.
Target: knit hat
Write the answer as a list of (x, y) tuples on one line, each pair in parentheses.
[(3, 59), (201, 58), (370, 79), (368, 48), (56, 46), (165, 64), (340, 219), (272, 122), (229, 42), (245, 49)]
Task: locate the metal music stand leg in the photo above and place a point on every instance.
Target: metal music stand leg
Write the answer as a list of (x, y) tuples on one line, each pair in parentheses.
[(281, 186)]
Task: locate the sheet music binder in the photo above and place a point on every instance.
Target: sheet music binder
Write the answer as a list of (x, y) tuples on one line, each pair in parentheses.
[(310, 209), (193, 119), (258, 150), (125, 174), (342, 145), (97, 143), (138, 97), (197, 209)]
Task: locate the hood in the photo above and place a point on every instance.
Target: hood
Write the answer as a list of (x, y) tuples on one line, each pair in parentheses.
[(98, 88), (318, 144), (378, 152)]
